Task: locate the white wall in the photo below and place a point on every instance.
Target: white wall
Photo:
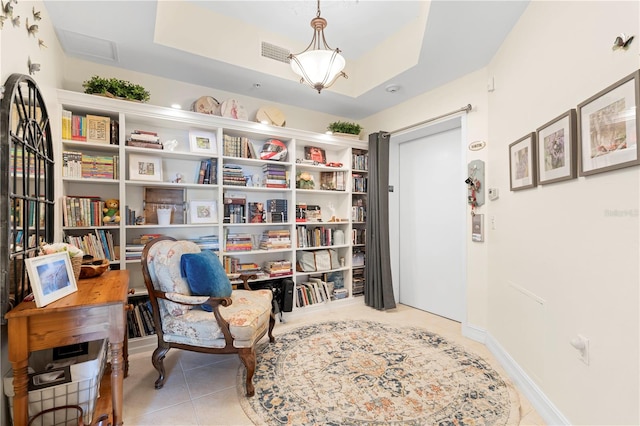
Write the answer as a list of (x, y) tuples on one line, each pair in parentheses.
[(16, 47), (559, 242), (563, 258)]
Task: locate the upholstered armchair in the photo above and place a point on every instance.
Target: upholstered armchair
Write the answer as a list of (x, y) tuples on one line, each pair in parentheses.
[(232, 324)]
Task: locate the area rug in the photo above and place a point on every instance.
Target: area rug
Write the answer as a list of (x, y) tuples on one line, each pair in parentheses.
[(369, 373)]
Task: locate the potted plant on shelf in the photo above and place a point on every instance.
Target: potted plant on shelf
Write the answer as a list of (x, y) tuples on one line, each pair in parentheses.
[(115, 88), (345, 129)]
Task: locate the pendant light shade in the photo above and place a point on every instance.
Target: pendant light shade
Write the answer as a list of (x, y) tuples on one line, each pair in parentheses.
[(318, 65)]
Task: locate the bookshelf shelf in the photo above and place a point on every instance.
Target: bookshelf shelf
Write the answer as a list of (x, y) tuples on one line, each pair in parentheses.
[(279, 202)]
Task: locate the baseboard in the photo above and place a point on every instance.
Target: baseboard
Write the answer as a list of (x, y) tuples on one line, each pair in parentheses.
[(543, 405)]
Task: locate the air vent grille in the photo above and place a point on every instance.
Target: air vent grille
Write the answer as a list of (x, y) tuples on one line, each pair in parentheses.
[(272, 51)]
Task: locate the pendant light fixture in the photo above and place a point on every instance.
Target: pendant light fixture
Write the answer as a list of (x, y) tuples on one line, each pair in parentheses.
[(318, 65)]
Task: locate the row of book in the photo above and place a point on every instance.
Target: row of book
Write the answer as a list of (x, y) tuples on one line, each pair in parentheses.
[(140, 319), (207, 172), (99, 244), (312, 292), (21, 218), (144, 139), (89, 128), (82, 211), (320, 236), (358, 236), (358, 183), (232, 265), (238, 242), (332, 181), (357, 282), (238, 146), (358, 213), (360, 161), (79, 165), (16, 160)]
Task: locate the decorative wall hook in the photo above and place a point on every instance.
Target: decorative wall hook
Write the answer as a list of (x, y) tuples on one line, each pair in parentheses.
[(622, 42)]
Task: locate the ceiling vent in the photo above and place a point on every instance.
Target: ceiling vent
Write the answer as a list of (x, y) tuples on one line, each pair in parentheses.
[(277, 53)]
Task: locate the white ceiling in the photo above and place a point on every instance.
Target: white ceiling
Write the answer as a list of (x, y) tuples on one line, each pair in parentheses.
[(416, 45)]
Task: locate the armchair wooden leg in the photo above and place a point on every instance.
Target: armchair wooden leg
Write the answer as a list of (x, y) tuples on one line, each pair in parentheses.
[(272, 323), (248, 358), (158, 362)]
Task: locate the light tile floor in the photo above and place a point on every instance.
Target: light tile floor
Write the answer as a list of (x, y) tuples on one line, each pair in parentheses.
[(201, 389)]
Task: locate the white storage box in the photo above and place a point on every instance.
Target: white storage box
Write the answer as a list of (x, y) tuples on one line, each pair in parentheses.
[(86, 373)]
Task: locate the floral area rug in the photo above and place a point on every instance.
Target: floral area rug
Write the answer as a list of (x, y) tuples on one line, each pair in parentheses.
[(368, 373)]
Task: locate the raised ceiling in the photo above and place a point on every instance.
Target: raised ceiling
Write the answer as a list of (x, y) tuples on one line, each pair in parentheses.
[(413, 45)]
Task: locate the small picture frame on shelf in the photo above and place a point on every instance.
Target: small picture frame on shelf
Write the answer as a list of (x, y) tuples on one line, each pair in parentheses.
[(608, 127), (556, 148), (315, 154), (144, 167), (522, 170), (51, 277), (203, 211), (203, 142)]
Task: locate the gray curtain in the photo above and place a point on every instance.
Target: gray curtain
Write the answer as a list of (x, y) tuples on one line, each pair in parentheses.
[(378, 287)]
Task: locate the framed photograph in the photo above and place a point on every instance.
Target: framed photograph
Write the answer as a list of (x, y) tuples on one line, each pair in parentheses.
[(315, 154), (144, 167), (51, 277), (522, 168), (204, 211), (556, 147), (477, 228), (53, 377), (203, 142), (608, 128)]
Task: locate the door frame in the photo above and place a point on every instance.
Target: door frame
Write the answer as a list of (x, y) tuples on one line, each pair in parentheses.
[(442, 125)]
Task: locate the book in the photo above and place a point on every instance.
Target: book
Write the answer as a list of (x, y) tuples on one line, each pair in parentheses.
[(98, 129), (256, 212)]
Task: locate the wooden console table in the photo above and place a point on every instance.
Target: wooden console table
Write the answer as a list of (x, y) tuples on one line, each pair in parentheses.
[(95, 311)]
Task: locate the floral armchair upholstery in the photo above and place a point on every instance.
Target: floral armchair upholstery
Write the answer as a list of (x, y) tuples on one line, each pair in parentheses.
[(236, 324)]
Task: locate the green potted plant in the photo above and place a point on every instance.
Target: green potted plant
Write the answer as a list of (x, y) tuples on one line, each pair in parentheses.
[(115, 88), (344, 128)]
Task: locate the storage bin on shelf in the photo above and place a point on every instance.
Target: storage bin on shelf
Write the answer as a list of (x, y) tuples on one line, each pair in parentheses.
[(86, 373)]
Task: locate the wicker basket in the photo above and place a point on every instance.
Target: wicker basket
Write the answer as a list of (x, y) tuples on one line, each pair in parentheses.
[(76, 264)]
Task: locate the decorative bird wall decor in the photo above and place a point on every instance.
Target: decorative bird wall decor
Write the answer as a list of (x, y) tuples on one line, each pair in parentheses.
[(16, 21), (2, 19), (31, 29), (36, 15), (622, 42), (41, 43), (7, 8)]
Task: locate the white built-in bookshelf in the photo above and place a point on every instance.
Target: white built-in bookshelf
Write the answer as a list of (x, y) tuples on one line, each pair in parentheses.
[(298, 221)]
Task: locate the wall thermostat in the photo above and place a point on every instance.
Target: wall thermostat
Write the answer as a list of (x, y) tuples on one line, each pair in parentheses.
[(493, 193)]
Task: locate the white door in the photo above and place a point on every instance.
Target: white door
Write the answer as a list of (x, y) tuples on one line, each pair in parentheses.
[(432, 224)]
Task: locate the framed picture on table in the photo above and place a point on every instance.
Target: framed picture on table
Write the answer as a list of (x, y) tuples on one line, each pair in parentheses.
[(51, 277)]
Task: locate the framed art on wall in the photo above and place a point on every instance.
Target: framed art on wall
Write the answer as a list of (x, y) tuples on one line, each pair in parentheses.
[(522, 169), (203, 142), (608, 127), (51, 277), (144, 167), (556, 148)]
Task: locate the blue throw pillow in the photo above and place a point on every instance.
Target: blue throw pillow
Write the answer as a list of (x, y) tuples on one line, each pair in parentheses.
[(205, 275)]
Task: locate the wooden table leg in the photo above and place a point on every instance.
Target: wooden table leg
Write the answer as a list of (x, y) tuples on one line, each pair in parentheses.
[(117, 377)]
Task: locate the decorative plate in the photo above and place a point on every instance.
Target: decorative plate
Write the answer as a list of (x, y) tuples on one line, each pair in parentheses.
[(206, 105), (231, 108), (271, 115)]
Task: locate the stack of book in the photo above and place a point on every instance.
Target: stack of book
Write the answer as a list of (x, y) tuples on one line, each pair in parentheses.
[(144, 139), (99, 245), (278, 268), (276, 211), (238, 146), (319, 236), (332, 181), (359, 183), (207, 242), (133, 251), (140, 319), (238, 242), (275, 239), (275, 175), (232, 175), (78, 165)]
